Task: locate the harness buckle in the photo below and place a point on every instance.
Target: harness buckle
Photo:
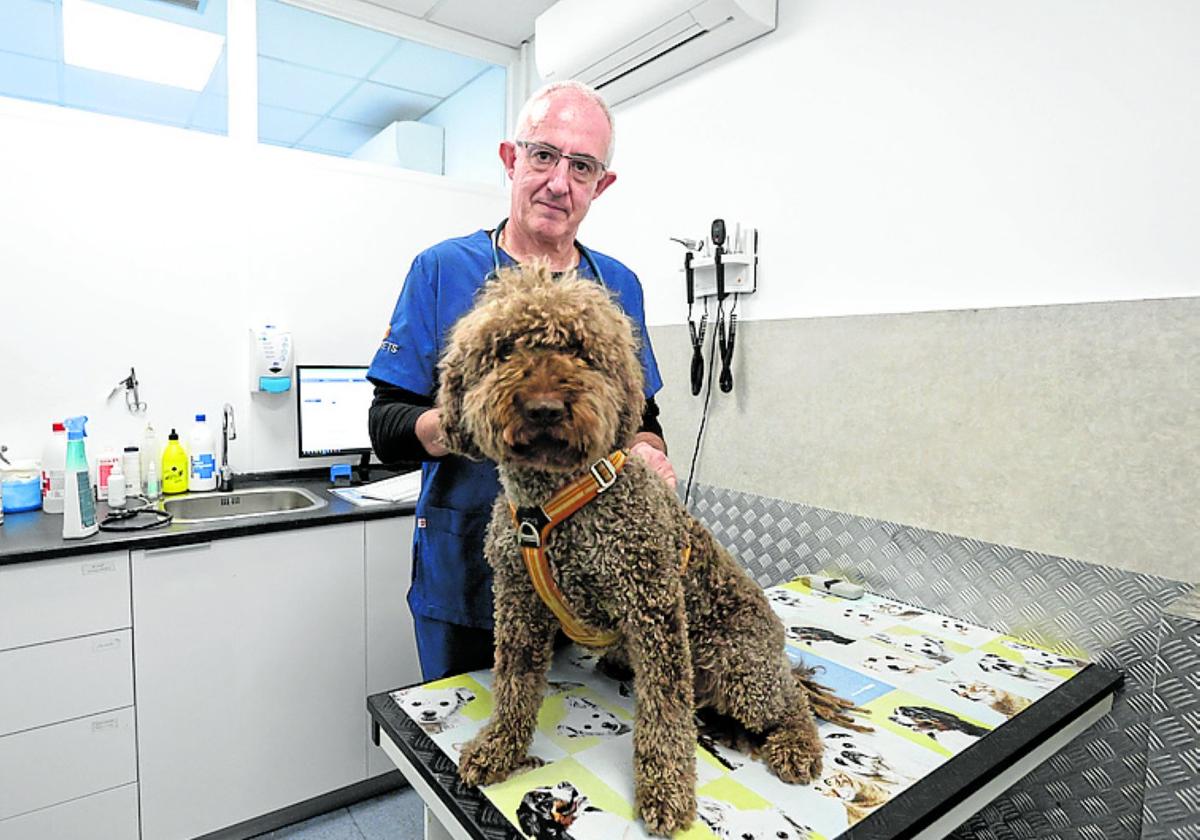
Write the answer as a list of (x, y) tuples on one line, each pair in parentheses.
[(603, 482), (528, 534)]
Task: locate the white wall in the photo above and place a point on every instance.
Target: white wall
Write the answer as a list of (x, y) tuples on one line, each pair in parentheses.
[(123, 243), (926, 155)]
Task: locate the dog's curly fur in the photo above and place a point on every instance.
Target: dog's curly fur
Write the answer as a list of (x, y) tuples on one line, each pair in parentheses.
[(543, 378)]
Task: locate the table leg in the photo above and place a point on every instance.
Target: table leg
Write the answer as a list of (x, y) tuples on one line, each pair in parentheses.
[(434, 830)]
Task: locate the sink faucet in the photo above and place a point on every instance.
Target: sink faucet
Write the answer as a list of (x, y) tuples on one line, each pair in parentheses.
[(228, 433)]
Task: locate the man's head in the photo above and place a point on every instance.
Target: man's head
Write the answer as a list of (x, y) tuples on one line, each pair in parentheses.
[(551, 194)]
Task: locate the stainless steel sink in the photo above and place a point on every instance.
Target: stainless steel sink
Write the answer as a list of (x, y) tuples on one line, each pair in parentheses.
[(238, 504)]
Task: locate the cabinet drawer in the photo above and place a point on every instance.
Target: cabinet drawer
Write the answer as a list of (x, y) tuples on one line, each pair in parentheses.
[(69, 679), (56, 599), (112, 814), (42, 767)]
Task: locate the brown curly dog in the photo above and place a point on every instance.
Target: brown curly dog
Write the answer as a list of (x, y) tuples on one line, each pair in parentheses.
[(542, 377)]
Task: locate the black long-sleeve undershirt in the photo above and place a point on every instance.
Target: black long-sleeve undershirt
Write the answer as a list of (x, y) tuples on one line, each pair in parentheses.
[(393, 423)]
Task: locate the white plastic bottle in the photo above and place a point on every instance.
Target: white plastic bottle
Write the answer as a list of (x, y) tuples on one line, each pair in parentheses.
[(54, 463), (153, 485), (116, 487), (150, 454), (131, 466), (202, 456)]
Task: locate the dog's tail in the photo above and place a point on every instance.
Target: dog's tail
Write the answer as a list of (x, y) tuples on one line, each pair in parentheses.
[(826, 705)]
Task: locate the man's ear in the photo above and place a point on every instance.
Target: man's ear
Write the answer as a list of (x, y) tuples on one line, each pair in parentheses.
[(508, 156), (604, 183)]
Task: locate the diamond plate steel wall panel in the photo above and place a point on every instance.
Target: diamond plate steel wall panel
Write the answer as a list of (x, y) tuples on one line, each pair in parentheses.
[(1172, 806), (1098, 786)]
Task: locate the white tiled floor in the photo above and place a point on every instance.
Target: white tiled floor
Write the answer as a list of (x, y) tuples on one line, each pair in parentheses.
[(394, 816)]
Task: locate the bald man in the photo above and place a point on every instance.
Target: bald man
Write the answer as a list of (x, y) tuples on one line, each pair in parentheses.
[(559, 163)]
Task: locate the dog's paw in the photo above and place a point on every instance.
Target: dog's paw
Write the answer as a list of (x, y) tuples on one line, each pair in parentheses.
[(794, 754), (487, 760), (665, 810)]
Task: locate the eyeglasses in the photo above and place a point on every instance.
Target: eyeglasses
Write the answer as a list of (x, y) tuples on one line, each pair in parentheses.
[(543, 157)]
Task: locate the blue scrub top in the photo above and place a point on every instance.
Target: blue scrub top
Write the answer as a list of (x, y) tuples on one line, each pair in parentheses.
[(451, 580)]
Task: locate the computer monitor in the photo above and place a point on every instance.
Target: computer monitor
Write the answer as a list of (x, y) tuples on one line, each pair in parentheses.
[(332, 404)]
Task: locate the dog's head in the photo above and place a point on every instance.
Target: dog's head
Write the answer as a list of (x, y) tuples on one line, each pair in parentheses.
[(729, 823), (894, 664), (849, 752), (543, 373), (585, 719), (432, 707), (546, 813), (932, 721)]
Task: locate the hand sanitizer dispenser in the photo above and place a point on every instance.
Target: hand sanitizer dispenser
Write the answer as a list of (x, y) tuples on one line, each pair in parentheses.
[(270, 359)]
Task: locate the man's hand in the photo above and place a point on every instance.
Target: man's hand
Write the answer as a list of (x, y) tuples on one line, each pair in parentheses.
[(429, 432), (652, 449)]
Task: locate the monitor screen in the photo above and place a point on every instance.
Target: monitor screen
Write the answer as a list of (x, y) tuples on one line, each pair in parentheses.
[(332, 403)]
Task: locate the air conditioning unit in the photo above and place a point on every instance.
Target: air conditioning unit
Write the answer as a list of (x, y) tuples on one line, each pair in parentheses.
[(624, 47)]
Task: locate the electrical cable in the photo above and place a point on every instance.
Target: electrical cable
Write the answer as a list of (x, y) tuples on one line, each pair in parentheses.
[(726, 346), (703, 421), (698, 348)]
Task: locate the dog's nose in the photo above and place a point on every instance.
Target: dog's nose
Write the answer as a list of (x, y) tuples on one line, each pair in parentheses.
[(544, 411)]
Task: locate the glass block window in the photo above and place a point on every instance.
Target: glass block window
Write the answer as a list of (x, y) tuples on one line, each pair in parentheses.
[(333, 87), (156, 60)]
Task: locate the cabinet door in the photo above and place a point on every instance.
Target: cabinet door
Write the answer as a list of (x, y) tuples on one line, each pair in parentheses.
[(250, 660), (391, 646)]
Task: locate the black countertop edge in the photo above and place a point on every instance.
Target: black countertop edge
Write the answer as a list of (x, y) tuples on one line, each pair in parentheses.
[(32, 536), (958, 778), (384, 711)]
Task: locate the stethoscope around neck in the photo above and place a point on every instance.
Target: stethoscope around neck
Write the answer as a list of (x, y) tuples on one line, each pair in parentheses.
[(587, 255)]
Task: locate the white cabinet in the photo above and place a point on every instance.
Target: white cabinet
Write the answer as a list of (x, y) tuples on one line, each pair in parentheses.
[(250, 655), (58, 599), (52, 764), (67, 735), (111, 814), (391, 647), (68, 679)]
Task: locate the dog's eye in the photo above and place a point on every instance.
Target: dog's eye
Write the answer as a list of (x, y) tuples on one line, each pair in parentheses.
[(504, 349)]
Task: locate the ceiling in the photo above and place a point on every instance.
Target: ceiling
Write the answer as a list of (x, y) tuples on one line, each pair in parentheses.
[(324, 84), (508, 22)]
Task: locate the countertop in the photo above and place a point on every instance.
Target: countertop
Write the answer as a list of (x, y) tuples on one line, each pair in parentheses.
[(35, 535)]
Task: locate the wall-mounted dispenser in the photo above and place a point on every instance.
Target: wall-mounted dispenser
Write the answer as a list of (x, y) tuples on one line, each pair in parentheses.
[(271, 360)]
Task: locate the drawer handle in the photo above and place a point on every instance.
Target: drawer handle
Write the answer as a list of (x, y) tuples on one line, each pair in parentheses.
[(175, 549)]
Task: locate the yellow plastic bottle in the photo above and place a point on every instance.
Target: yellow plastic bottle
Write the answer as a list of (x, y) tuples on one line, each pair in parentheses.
[(174, 466)]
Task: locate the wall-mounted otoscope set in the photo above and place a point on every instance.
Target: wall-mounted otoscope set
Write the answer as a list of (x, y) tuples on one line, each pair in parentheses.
[(723, 265)]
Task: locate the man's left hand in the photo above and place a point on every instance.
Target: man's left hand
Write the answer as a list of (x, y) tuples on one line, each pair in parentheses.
[(656, 458)]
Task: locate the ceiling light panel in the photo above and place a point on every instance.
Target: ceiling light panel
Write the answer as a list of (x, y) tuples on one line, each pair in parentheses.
[(109, 40)]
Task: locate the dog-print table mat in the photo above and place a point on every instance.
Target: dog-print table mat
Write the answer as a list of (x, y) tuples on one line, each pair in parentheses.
[(930, 686)]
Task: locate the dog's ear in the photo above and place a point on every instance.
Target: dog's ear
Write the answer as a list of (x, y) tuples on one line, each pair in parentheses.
[(453, 369)]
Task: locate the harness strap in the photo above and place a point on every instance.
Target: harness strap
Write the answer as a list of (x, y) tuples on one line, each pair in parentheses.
[(534, 525)]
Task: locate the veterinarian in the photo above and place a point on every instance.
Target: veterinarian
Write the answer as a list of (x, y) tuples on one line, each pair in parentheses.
[(558, 165)]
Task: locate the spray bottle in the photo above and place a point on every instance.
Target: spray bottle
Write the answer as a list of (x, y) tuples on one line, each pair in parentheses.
[(79, 509)]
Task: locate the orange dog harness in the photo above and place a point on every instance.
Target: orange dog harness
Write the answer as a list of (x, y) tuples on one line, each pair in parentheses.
[(533, 527)]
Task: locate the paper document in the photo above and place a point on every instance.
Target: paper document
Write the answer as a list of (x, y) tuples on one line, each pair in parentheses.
[(355, 497), (400, 488)]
